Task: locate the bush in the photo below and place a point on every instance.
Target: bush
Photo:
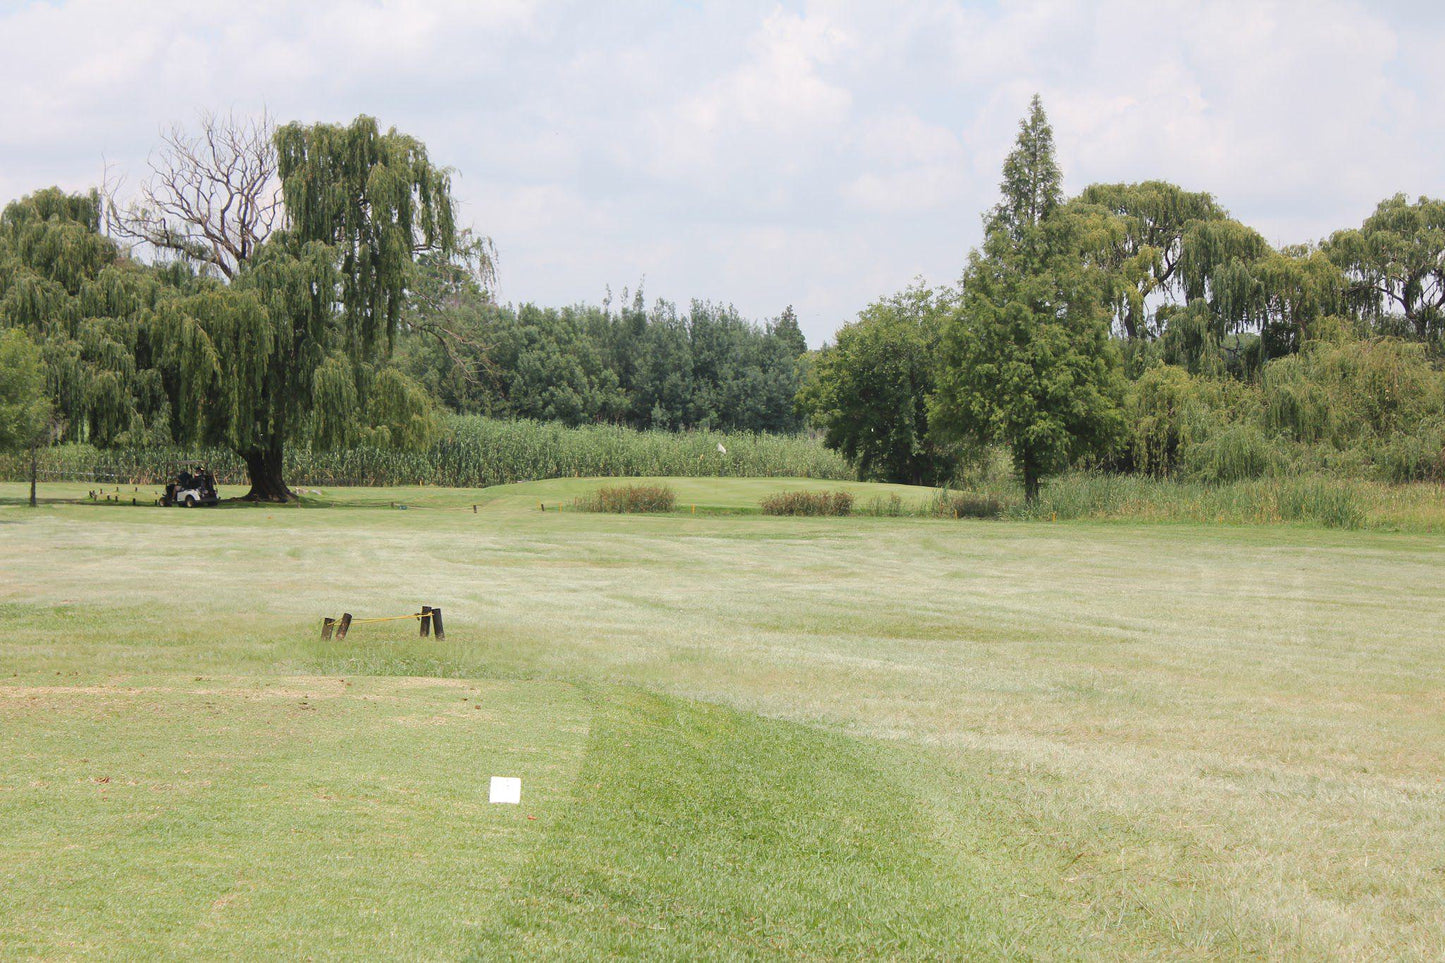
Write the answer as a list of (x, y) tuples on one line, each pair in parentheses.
[(1168, 410), (1237, 453), (1323, 501), (808, 503), (626, 499), (1415, 457)]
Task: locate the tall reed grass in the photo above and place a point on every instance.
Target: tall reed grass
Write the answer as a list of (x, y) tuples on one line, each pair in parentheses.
[(1310, 499), (475, 452)]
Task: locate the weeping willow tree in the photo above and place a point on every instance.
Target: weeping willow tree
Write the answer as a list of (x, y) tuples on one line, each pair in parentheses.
[(1395, 265), (1180, 269), (289, 350), (74, 294), (1143, 256)]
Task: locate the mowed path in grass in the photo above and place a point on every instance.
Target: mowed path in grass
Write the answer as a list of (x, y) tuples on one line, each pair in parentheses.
[(1082, 740)]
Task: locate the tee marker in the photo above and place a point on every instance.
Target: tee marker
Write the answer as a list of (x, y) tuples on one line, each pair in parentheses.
[(506, 789)]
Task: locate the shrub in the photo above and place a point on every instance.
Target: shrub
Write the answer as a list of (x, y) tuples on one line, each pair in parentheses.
[(625, 499), (1415, 457), (1343, 391), (1159, 408), (808, 503), (1236, 453)]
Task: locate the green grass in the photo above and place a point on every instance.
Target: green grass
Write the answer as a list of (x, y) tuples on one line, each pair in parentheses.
[(225, 816), (742, 736), (701, 832)]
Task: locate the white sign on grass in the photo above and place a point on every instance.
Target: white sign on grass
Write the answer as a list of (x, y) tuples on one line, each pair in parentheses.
[(506, 789)]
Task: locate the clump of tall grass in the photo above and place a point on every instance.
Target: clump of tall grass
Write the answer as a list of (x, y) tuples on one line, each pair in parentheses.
[(1331, 504), (951, 504), (880, 507), (807, 503), (628, 499)]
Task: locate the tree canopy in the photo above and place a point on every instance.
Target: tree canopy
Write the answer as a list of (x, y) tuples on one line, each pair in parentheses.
[(655, 367), (869, 391), (1394, 264), (24, 400), (1033, 185), (68, 287)]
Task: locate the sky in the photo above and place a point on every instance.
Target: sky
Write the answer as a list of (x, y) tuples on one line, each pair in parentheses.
[(761, 154)]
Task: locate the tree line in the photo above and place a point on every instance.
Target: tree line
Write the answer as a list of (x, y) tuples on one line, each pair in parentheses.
[(642, 367), (1139, 327), (308, 285)]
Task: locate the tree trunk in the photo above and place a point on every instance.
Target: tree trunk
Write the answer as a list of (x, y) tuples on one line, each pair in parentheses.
[(264, 467), (1031, 483), (34, 470), (1131, 326)]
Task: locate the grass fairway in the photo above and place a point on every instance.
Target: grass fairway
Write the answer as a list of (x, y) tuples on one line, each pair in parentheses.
[(739, 735)]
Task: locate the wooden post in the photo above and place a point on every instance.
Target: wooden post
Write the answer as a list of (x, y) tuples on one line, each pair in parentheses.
[(425, 621), (474, 509), (326, 626), (436, 623), (343, 625)]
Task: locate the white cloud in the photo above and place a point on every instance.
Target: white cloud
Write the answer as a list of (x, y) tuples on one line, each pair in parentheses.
[(758, 152), (773, 109)]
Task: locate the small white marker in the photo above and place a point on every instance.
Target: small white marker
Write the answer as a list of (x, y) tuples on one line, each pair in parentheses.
[(506, 789)]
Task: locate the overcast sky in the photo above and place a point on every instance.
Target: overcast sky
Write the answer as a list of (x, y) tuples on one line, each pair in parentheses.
[(818, 154)]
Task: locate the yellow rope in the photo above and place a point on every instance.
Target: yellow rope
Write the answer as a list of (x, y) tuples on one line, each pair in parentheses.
[(394, 618)]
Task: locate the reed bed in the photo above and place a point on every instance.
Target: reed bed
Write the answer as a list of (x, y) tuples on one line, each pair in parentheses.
[(475, 452), (1328, 502)]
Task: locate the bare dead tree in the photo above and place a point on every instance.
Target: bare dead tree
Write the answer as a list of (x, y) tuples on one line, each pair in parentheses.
[(212, 196)]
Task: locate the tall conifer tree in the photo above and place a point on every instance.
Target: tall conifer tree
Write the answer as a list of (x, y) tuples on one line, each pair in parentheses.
[(1027, 360)]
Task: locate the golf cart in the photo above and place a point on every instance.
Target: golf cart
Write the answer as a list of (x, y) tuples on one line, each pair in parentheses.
[(194, 485)]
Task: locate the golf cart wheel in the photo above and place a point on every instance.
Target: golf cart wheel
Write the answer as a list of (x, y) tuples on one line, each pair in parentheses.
[(190, 501)]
